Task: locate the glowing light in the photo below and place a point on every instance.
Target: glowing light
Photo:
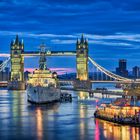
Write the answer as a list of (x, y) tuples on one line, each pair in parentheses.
[(39, 124)]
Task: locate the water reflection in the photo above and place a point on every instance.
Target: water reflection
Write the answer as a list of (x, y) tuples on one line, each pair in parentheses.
[(39, 124), (21, 120), (111, 131), (83, 95)]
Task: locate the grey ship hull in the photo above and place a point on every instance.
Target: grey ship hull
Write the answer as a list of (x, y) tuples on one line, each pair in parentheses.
[(42, 95)]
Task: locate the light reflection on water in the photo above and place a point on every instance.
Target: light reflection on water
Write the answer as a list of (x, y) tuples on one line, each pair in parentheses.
[(39, 123), (21, 120), (111, 131)]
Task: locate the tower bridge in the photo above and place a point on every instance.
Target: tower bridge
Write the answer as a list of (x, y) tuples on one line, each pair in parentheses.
[(18, 53), (50, 53)]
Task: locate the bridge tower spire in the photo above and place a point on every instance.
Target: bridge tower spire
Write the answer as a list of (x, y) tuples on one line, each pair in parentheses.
[(17, 65), (82, 59)]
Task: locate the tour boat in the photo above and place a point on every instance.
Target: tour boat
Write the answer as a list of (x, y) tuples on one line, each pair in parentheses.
[(125, 110), (119, 114), (43, 85)]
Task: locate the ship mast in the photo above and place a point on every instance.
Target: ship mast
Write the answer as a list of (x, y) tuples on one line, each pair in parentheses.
[(42, 60), (42, 63)]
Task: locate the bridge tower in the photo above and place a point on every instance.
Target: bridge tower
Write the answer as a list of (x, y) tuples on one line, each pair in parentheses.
[(17, 65), (82, 59), (82, 64)]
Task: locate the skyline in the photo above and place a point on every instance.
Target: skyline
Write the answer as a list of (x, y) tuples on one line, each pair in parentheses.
[(112, 29)]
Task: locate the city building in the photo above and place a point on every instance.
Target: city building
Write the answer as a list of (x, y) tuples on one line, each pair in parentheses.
[(4, 75), (122, 69), (136, 72), (1, 62), (1, 71)]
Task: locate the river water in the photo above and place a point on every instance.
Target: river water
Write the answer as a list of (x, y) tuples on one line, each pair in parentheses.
[(74, 120)]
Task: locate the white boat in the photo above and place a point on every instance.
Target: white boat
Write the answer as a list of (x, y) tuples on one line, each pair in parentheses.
[(43, 85)]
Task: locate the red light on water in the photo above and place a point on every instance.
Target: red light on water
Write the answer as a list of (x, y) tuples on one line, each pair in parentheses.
[(97, 101), (96, 107)]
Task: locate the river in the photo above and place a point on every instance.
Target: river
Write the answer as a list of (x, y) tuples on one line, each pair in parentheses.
[(60, 121)]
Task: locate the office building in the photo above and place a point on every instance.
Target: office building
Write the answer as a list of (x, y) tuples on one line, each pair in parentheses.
[(122, 69), (136, 72)]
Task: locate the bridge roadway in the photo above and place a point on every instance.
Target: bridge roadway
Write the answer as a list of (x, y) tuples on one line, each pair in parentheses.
[(5, 83), (50, 53), (92, 92), (108, 92), (101, 81)]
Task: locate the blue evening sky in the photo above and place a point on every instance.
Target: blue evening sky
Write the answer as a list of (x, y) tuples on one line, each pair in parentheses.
[(111, 26)]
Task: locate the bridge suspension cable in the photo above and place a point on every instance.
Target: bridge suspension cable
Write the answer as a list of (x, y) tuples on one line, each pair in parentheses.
[(108, 73), (4, 64)]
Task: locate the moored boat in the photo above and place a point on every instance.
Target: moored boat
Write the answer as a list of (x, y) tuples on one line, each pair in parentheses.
[(122, 115), (125, 110), (43, 85)]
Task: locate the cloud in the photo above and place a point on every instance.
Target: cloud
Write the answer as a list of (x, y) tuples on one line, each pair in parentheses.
[(118, 39), (109, 43), (58, 41), (116, 36), (51, 35), (36, 35), (59, 71), (112, 26), (100, 4)]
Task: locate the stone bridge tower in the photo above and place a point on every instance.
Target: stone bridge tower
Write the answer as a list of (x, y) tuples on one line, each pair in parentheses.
[(82, 59), (17, 65), (82, 81)]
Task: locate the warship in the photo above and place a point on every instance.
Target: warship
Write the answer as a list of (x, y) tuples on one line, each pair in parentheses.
[(43, 84)]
